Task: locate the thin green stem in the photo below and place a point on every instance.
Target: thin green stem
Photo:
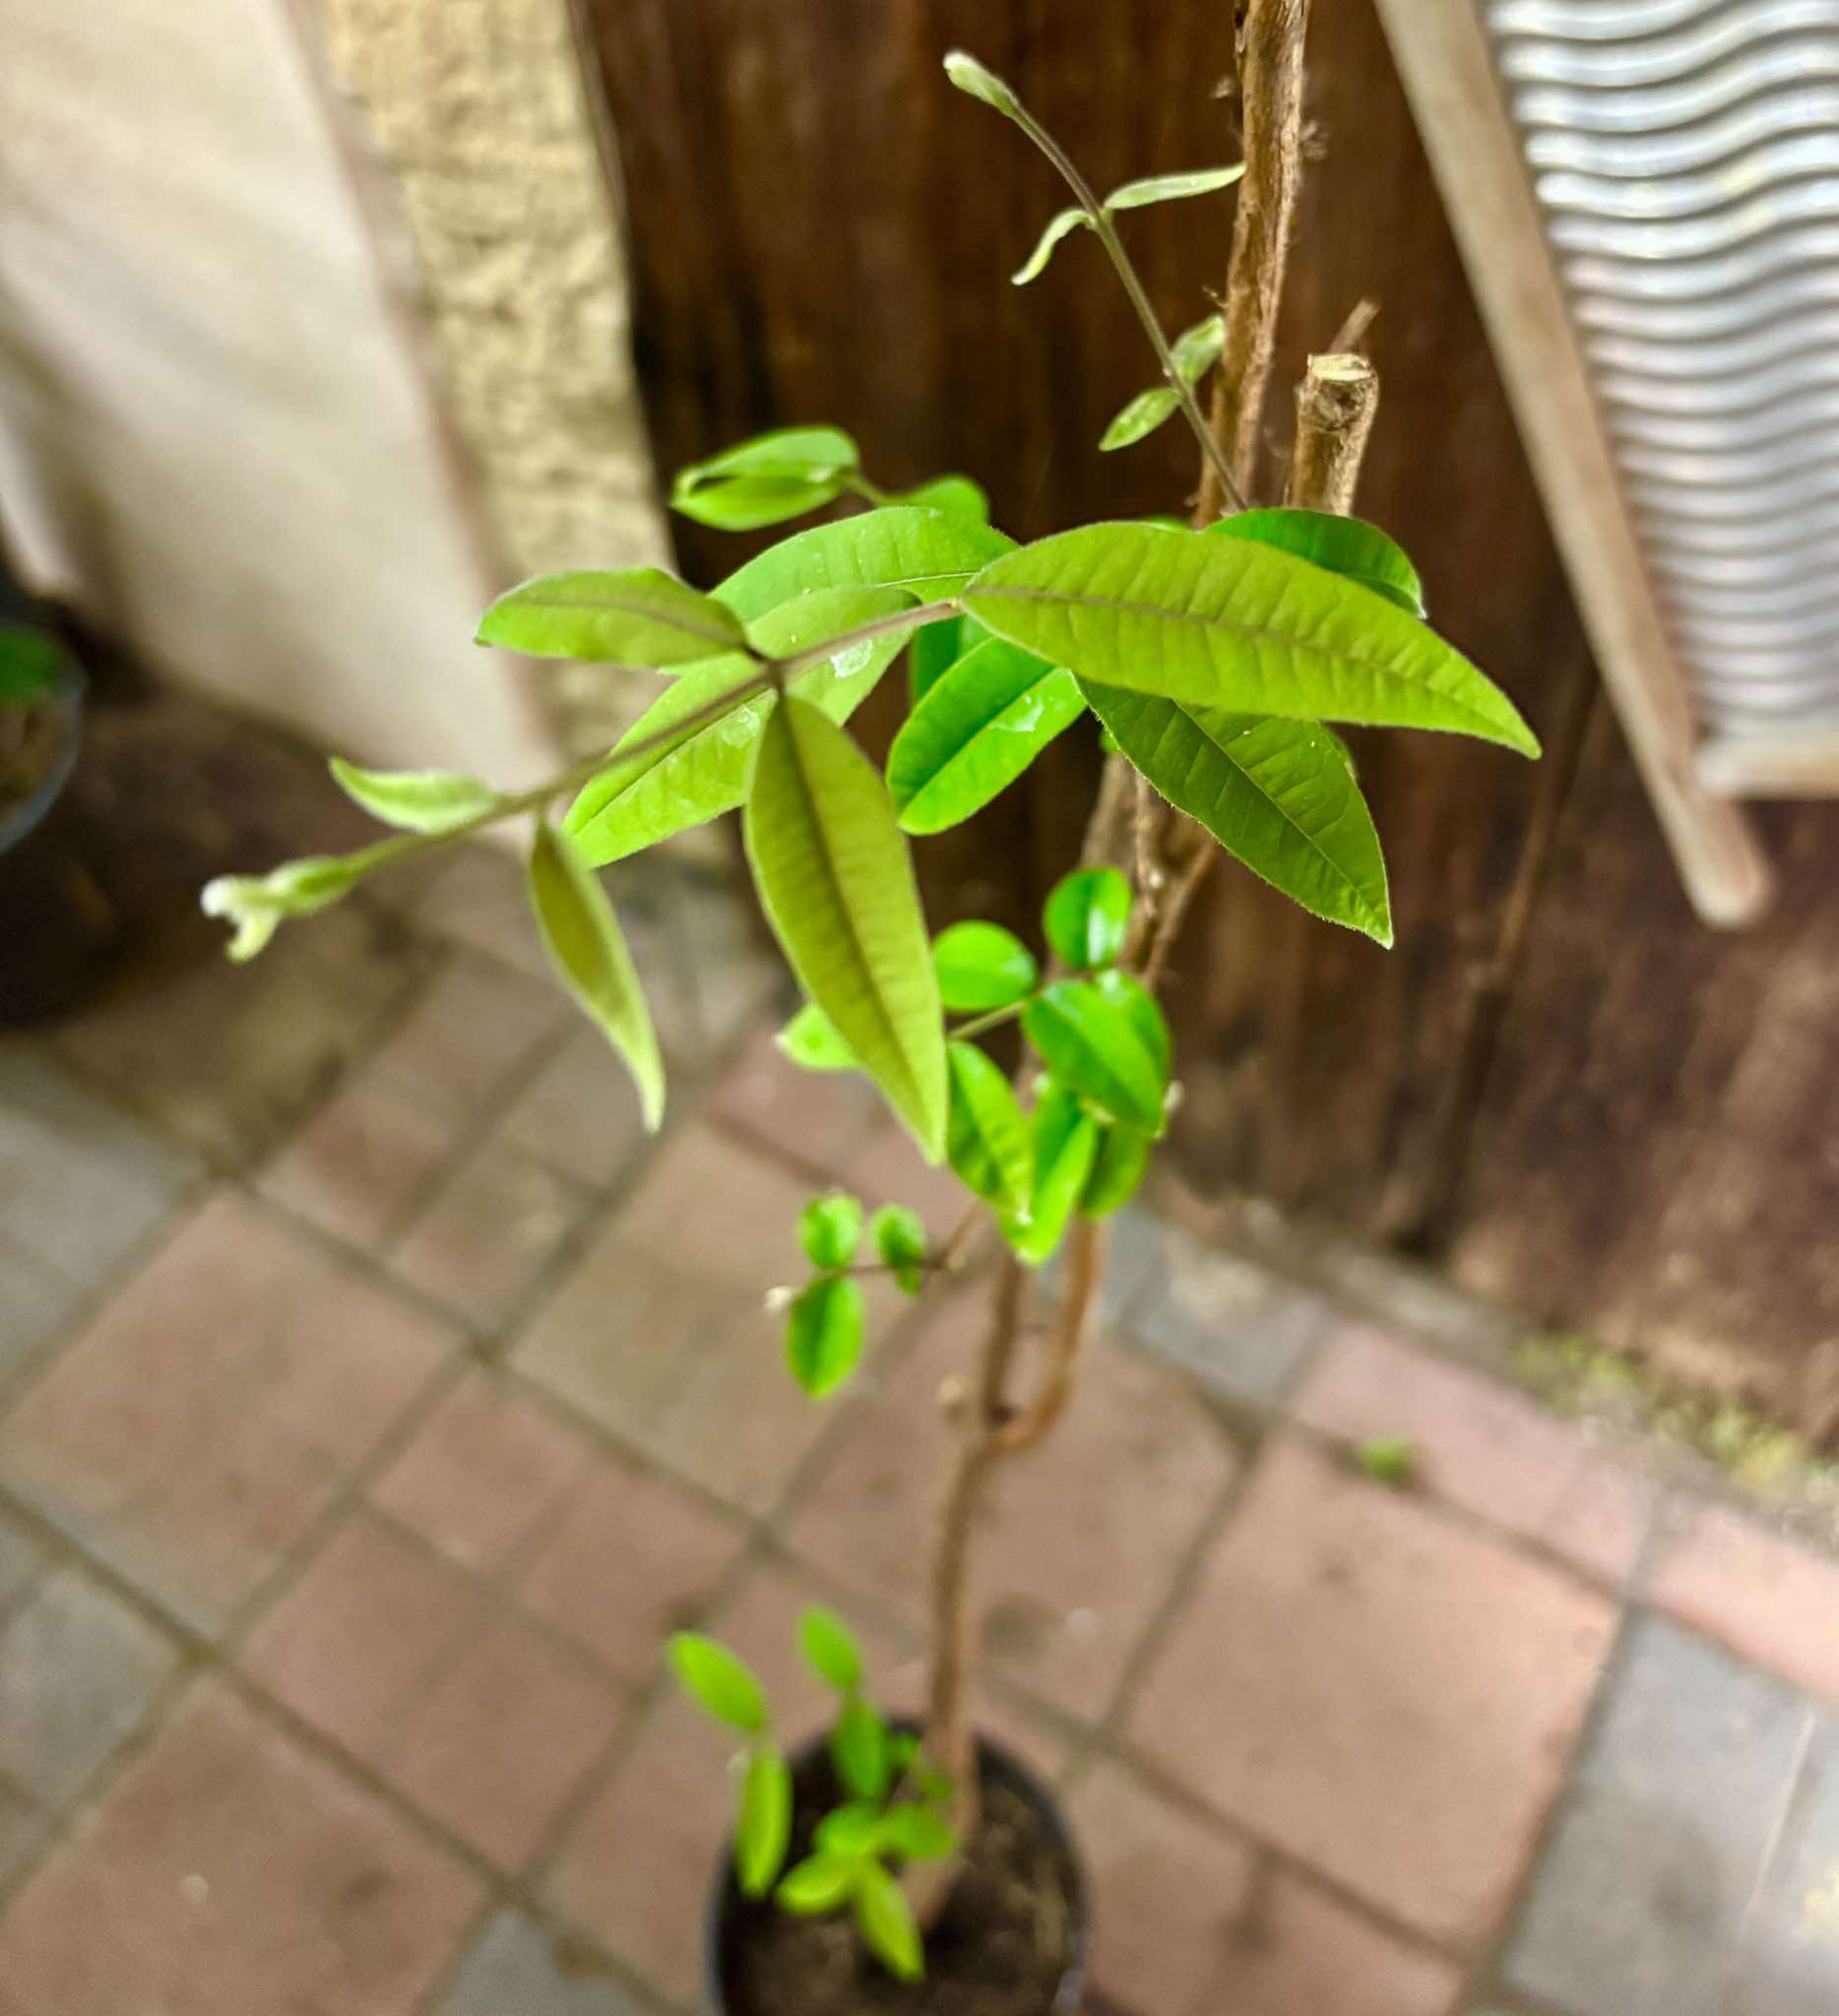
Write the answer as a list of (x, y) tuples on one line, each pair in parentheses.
[(1139, 299), (855, 481), (994, 1019)]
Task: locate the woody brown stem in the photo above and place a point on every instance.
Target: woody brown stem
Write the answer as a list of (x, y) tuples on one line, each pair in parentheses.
[(1336, 403), (1270, 90)]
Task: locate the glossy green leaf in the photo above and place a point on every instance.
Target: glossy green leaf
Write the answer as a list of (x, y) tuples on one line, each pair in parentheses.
[(917, 1833), (764, 480), (886, 1921), (937, 648), (1276, 795), (819, 1883), (33, 665), (859, 1751), (811, 1042), (747, 503), (588, 951), (635, 803), (1348, 546), (982, 724), (1087, 917), (988, 1142), (1234, 624), (850, 1830), (719, 1681), (1060, 226), (416, 800), (836, 880), (1197, 348), (899, 1240), (1117, 1172), (929, 553), (1167, 188), (763, 1828), (1142, 415), (830, 1647), (981, 966), (1104, 1038), (824, 1334), (830, 1228), (1066, 1146), (957, 493), (639, 616)]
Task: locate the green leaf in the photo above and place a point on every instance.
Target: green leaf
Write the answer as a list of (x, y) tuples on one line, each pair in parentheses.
[(639, 616), (988, 1142), (1104, 1039), (763, 1830), (850, 1830), (747, 503), (836, 880), (976, 731), (1276, 795), (417, 800), (1198, 347), (1087, 917), (917, 1833), (771, 477), (1167, 188), (1142, 415), (970, 76), (719, 1681), (887, 1923), (859, 1751), (633, 805), (588, 951), (811, 1042), (1063, 224), (1067, 1145), (937, 648), (929, 553), (819, 1883), (899, 1240), (1236, 624), (830, 1230), (830, 1647), (1388, 1460), (33, 664), (981, 966), (1344, 545), (256, 905), (957, 493), (824, 1334), (1117, 1172)]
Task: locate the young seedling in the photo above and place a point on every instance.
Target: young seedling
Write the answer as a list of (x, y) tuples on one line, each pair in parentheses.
[(1217, 660)]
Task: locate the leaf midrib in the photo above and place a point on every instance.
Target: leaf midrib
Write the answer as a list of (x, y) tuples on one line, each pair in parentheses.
[(735, 639)]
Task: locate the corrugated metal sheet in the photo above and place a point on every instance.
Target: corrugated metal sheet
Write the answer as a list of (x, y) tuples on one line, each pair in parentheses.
[(1685, 154)]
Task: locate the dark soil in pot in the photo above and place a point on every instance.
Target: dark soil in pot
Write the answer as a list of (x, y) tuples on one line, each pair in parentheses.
[(1009, 1942)]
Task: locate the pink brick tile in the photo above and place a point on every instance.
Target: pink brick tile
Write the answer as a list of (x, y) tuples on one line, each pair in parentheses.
[(1771, 1600), (580, 1113), (362, 1160), (486, 1235), (211, 1412), (632, 1559), (889, 1170), (1385, 1694), (502, 1741), (1168, 1892), (1302, 1953), (1081, 1539), (1483, 1447), (227, 1872), (486, 1469), (474, 1029), (480, 902), (719, 1209), (818, 1119), (373, 1616)]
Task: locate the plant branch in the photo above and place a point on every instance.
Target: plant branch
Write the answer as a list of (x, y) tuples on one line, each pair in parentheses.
[(1085, 1271), (1335, 403), (784, 668)]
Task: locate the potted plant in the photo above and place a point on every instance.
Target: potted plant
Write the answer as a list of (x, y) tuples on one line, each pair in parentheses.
[(908, 1868)]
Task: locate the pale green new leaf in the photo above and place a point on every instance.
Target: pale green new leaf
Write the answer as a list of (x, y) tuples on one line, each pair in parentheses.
[(1344, 545), (763, 1826), (1276, 795), (1066, 1146), (1087, 917), (1142, 415), (957, 493), (988, 1140), (931, 553), (721, 1683), (639, 616), (1104, 1038), (830, 1228), (837, 882), (1063, 224), (831, 1649), (1117, 1172), (1166, 188), (976, 731), (886, 1922), (859, 1751), (980, 81), (1234, 624), (900, 1238), (824, 1334), (634, 805), (765, 481), (981, 966), (416, 800), (811, 1042), (587, 950), (819, 1883), (1198, 347)]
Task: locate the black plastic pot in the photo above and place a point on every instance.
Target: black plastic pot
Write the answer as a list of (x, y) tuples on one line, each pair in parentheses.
[(727, 1909)]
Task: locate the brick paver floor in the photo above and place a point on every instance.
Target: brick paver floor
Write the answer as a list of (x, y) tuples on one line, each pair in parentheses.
[(363, 1429)]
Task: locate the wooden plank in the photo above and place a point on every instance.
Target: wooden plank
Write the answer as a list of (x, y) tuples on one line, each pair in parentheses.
[(1443, 59)]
